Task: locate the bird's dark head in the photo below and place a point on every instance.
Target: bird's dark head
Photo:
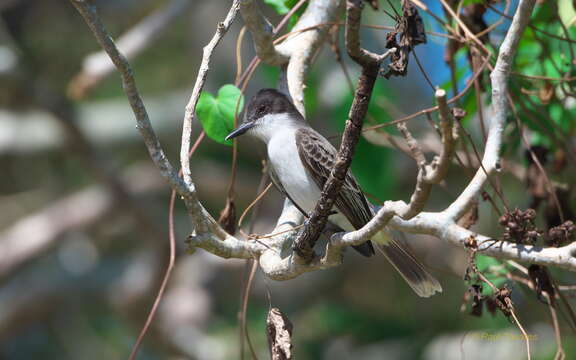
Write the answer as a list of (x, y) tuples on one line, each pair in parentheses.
[(261, 111)]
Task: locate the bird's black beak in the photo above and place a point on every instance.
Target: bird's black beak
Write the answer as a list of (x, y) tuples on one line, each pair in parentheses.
[(240, 130)]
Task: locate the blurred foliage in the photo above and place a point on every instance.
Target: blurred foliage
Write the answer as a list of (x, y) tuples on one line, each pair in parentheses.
[(545, 104)]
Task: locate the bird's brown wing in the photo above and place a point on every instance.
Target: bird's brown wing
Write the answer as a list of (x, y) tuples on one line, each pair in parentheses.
[(318, 157)]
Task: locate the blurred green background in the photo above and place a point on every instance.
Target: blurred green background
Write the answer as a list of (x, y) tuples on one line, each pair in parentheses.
[(84, 214)]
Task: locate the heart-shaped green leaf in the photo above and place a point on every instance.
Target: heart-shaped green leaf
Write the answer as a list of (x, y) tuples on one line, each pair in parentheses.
[(216, 114)]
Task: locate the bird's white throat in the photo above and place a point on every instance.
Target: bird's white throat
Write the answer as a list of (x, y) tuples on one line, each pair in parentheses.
[(272, 125), (279, 133)]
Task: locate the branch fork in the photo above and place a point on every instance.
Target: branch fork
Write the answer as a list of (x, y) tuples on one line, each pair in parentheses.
[(270, 250)]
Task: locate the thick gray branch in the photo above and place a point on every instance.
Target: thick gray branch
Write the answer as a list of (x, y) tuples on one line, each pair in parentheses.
[(303, 46), (262, 33), (442, 226), (298, 50)]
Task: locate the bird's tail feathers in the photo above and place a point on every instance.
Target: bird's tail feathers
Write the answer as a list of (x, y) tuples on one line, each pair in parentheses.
[(412, 270), (365, 249)]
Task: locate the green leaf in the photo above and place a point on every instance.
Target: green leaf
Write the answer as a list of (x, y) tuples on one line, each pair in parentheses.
[(278, 5), (216, 114)]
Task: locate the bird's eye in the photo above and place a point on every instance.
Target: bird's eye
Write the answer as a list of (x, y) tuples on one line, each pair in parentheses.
[(261, 109)]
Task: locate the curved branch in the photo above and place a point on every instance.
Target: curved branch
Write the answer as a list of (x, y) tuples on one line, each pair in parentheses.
[(189, 114), (202, 220), (353, 22), (262, 33), (296, 51), (499, 78), (269, 250), (143, 124), (303, 46)]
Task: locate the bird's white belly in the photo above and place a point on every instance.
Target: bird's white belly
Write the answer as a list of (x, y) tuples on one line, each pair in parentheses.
[(290, 171), (285, 160)]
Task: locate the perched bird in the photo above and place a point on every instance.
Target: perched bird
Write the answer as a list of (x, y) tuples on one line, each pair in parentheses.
[(300, 162)]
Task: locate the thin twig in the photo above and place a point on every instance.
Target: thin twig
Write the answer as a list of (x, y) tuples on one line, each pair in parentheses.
[(253, 203), (159, 295), (434, 108), (549, 186), (189, 114), (169, 267), (499, 76), (526, 338), (239, 41), (251, 266)]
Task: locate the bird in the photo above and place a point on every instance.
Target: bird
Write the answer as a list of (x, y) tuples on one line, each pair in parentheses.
[(300, 161)]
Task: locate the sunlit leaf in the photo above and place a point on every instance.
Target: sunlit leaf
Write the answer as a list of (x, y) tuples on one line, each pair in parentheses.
[(217, 113)]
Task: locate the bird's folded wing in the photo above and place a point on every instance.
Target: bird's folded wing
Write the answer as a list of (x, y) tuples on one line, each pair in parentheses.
[(318, 157)]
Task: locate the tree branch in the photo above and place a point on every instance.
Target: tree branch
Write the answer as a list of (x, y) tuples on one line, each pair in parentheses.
[(396, 214), (443, 227), (202, 221), (303, 46), (297, 51), (262, 34), (499, 79), (189, 114), (352, 32), (92, 19), (370, 63)]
